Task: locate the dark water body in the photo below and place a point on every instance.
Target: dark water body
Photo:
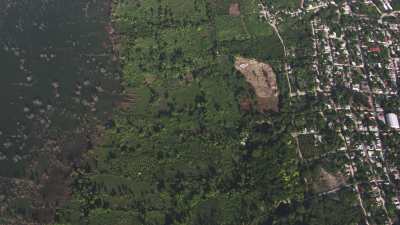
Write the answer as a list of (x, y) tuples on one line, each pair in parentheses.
[(58, 77)]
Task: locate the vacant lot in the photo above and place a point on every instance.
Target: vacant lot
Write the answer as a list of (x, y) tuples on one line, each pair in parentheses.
[(263, 80)]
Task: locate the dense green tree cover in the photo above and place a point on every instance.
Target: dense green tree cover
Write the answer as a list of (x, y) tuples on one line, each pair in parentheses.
[(185, 152)]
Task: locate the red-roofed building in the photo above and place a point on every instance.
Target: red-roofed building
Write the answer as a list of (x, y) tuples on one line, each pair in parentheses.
[(374, 49)]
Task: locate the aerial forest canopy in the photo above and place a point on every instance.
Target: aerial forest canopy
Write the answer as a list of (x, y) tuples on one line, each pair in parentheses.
[(199, 112), (192, 146)]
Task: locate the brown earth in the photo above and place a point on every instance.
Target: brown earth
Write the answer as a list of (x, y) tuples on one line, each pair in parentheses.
[(234, 9), (328, 181), (263, 80), (245, 104)]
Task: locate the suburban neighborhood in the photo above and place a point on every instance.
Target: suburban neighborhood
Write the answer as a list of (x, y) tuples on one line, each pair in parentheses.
[(355, 73)]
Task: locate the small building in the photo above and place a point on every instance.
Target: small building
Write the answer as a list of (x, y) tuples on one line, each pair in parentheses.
[(392, 120), (374, 49)]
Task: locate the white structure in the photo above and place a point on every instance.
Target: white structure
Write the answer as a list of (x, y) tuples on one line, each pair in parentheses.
[(392, 120)]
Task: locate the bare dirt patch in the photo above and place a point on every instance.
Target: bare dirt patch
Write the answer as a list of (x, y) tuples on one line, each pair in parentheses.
[(328, 181), (234, 9), (263, 80), (245, 104)]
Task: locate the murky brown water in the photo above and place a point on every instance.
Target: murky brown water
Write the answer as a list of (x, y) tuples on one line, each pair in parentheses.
[(58, 78)]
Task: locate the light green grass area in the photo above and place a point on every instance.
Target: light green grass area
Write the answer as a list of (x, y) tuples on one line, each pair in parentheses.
[(195, 10), (194, 42), (250, 8), (180, 9), (230, 28), (284, 4), (144, 16), (246, 6), (222, 6), (247, 34), (176, 52), (257, 27), (265, 48), (241, 28)]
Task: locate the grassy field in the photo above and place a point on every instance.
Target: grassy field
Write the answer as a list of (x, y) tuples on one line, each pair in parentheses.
[(230, 28), (284, 4)]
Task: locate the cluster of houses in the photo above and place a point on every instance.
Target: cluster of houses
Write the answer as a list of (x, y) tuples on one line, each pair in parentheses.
[(364, 55)]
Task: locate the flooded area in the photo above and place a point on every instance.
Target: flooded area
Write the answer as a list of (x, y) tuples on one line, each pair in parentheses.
[(59, 80)]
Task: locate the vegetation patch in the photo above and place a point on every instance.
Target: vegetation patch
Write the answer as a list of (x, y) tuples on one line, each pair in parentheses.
[(328, 181), (230, 28), (308, 147)]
